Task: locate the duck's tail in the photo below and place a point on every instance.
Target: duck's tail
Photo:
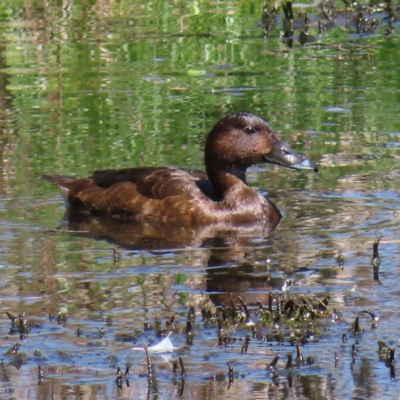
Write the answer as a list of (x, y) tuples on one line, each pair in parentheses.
[(62, 181), (59, 180)]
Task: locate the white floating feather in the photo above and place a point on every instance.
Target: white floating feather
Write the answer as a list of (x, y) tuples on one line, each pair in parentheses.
[(165, 346)]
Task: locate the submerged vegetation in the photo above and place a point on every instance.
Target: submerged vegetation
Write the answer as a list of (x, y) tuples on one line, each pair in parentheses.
[(276, 340), (355, 17)]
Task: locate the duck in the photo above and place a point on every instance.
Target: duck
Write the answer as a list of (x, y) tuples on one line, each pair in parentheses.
[(182, 198)]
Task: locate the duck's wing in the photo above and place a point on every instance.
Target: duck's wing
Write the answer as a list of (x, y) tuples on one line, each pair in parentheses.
[(157, 182), (132, 190)]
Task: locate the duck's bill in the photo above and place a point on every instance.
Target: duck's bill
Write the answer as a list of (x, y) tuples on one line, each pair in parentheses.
[(283, 155)]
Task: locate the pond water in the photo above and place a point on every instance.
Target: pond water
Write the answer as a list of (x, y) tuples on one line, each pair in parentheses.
[(100, 84)]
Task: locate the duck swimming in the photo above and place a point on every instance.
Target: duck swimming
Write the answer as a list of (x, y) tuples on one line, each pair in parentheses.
[(191, 199)]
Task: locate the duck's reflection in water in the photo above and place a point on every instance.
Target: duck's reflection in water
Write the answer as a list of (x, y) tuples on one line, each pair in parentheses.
[(228, 274), (161, 236)]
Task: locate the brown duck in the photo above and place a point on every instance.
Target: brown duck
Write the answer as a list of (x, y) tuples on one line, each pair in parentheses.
[(190, 199)]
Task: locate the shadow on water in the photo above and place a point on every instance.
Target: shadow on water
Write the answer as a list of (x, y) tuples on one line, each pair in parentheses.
[(157, 236), (228, 275)]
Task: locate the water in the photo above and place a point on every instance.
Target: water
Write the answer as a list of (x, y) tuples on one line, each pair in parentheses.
[(87, 86)]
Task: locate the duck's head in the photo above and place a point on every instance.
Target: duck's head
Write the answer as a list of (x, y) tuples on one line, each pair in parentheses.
[(240, 140)]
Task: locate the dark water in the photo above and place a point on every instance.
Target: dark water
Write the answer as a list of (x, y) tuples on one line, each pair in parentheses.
[(89, 85)]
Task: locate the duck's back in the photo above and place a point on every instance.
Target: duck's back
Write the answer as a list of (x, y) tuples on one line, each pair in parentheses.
[(157, 182)]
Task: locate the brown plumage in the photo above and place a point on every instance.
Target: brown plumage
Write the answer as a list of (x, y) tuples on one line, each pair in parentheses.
[(191, 199)]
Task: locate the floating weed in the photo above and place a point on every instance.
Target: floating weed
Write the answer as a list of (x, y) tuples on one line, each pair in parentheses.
[(191, 314), (183, 372), (118, 380), (12, 318), (174, 367), (289, 363), (14, 349), (299, 356), (376, 260), (374, 318), (340, 260), (246, 311), (206, 313), (116, 256), (363, 19), (20, 324), (354, 352), (269, 15), (391, 363), (274, 362), (126, 337), (171, 323), (355, 327), (147, 326), (189, 333), (179, 385), (150, 372), (383, 350), (387, 354), (40, 375), (37, 353), (62, 319), (112, 360), (246, 344), (275, 378), (16, 359), (230, 374), (121, 376), (288, 319)]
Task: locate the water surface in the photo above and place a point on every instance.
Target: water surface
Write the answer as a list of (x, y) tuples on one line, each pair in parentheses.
[(97, 85)]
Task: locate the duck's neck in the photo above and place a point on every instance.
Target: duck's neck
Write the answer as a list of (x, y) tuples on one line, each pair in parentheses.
[(227, 179)]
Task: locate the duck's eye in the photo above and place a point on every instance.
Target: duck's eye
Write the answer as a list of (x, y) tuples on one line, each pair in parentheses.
[(286, 152), (249, 130)]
